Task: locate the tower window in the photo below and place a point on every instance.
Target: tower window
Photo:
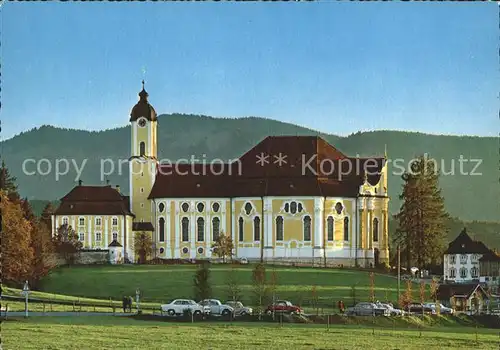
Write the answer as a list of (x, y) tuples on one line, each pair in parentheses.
[(279, 228), (329, 228), (256, 229), (375, 230), (307, 229), (142, 149), (185, 229)]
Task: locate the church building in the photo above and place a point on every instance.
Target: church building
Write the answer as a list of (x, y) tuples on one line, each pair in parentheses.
[(289, 198)]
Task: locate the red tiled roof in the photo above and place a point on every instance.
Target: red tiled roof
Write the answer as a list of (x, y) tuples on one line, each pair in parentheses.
[(307, 172), (94, 200)]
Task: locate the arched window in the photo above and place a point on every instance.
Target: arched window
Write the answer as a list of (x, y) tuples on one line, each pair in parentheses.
[(200, 207), (279, 228), (293, 207), (162, 229), (346, 228), (463, 272), (474, 272), (215, 228), (161, 207), (201, 229), (185, 229), (185, 207), (241, 237), (256, 229), (375, 230), (452, 273), (329, 228), (307, 228), (142, 149)]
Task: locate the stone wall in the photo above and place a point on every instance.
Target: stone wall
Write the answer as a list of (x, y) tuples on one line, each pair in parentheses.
[(88, 257)]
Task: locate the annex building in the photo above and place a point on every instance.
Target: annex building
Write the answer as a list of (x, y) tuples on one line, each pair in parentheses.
[(294, 198)]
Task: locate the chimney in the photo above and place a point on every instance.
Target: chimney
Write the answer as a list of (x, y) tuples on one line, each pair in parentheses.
[(80, 182), (118, 188)]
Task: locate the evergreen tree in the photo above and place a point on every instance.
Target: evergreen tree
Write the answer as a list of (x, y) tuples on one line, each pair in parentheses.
[(201, 283), (422, 218), (46, 216), (17, 254), (8, 183), (27, 210)]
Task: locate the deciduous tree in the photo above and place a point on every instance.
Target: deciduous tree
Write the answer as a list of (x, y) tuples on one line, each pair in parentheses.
[(259, 287), (233, 285), (43, 252), (66, 243), (201, 283), (223, 246), (143, 246), (17, 254)]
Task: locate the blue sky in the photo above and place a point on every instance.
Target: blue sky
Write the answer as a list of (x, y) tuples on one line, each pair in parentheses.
[(335, 67)]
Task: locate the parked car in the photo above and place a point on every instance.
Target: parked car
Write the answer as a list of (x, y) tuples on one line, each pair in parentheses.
[(442, 309), (239, 308), (283, 306), (367, 309), (417, 308), (177, 307), (216, 307), (392, 310), (244, 261)]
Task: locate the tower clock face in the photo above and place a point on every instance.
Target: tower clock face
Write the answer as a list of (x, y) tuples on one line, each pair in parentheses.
[(142, 122)]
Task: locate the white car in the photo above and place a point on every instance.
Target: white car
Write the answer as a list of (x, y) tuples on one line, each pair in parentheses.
[(217, 308), (177, 307), (392, 310), (442, 309), (244, 261)]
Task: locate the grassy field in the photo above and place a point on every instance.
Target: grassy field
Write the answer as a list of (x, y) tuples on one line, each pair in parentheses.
[(123, 333), (160, 284)]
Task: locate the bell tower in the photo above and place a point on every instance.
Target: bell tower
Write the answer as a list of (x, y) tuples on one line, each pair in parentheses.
[(143, 157)]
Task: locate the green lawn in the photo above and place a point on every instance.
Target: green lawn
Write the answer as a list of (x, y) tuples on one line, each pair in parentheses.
[(160, 284), (123, 333)]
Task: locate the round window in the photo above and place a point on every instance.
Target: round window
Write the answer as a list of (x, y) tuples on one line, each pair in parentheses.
[(215, 207), (162, 250), (185, 250), (185, 207), (200, 207), (248, 208), (200, 250), (161, 207)]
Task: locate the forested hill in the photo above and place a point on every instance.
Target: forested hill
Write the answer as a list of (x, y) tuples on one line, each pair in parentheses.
[(469, 197)]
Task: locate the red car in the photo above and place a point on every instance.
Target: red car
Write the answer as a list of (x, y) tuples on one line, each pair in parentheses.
[(283, 306)]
